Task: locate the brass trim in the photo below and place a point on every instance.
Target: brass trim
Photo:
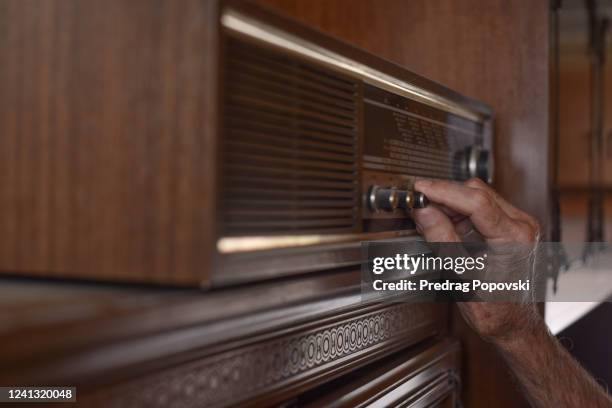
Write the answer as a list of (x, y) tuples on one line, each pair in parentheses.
[(229, 245), (240, 23)]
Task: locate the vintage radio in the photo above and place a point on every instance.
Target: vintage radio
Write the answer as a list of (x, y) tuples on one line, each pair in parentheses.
[(239, 147), (320, 144)]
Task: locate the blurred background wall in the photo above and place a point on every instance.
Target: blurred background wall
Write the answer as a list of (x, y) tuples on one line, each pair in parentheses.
[(588, 338), (575, 119)]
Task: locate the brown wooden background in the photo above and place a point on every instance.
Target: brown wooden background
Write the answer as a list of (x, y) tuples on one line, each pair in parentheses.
[(106, 138), (493, 50)]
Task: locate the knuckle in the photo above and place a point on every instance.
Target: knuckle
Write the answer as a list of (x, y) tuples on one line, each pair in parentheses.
[(534, 223), (493, 218), (482, 200), (475, 182), (527, 232)]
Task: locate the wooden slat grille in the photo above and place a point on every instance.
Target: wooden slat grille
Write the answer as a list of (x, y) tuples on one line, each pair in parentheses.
[(289, 145)]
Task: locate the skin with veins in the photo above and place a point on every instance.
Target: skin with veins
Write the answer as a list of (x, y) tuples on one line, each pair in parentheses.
[(548, 375)]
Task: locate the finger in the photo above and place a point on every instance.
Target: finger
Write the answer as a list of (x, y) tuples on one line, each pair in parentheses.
[(435, 225), (508, 208), (486, 215), (462, 223), (464, 227), (452, 214)]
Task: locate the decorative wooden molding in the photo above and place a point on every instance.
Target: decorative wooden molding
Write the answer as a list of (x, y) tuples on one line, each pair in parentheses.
[(287, 361), (424, 375)]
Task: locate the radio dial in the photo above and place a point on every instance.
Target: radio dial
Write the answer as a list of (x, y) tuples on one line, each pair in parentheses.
[(479, 163), (388, 199), (385, 199)]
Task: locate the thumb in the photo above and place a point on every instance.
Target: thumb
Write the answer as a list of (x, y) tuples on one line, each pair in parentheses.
[(435, 225)]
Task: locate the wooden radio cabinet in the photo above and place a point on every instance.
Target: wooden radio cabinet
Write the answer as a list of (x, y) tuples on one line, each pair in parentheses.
[(209, 143)]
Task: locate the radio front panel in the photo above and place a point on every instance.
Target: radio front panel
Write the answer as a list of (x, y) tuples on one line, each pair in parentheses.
[(403, 140), (320, 145)]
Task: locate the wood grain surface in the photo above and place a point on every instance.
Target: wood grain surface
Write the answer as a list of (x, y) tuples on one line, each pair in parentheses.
[(495, 51), (106, 148)]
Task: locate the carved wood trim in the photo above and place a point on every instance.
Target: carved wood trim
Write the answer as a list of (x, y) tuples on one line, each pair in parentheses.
[(273, 366)]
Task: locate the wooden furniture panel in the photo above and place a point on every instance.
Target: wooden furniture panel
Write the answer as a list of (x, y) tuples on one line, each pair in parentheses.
[(426, 376), (261, 345), (106, 148)]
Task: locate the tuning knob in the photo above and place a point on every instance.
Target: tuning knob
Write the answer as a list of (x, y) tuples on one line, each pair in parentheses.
[(477, 162), (385, 199), (412, 199)]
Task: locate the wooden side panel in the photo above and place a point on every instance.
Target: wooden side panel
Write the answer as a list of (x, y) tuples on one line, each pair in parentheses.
[(492, 50), (106, 138)]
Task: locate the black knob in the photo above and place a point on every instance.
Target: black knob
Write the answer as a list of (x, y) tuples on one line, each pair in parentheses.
[(474, 161), (381, 198), (420, 200), (484, 166)]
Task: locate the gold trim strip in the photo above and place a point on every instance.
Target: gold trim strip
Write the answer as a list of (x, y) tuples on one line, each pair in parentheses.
[(242, 24), (228, 245)]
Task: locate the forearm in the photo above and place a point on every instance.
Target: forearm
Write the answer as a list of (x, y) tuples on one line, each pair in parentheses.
[(548, 374)]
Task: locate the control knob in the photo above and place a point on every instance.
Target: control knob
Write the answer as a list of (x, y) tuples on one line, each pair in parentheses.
[(390, 198), (409, 200), (475, 161), (382, 198)]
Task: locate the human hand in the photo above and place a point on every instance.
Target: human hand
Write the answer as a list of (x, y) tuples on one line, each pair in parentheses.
[(462, 209)]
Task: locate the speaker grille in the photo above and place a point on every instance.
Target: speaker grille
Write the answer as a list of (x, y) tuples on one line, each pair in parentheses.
[(290, 145)]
